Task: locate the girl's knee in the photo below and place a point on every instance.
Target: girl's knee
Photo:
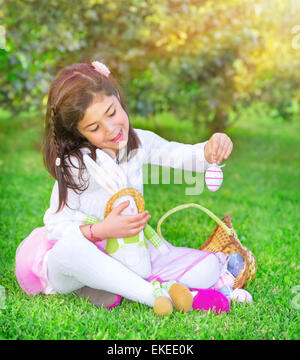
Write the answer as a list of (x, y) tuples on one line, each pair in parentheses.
[(61, 254), (213, 263), (59, 270), (212, 269), (203, 275)]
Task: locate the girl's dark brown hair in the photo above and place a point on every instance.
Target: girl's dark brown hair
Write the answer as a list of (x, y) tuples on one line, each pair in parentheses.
[(71, 93)]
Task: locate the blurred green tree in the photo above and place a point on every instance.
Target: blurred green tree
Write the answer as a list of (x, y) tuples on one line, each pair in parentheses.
[(201, 60)]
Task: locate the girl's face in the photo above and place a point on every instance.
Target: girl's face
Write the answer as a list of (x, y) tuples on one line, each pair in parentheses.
[(105, 124)]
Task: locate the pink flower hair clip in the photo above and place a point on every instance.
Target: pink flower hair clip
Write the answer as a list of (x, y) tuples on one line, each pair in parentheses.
[(101, 68)]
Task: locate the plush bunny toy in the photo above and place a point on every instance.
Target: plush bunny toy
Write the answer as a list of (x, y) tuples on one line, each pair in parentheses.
[(131, 251)]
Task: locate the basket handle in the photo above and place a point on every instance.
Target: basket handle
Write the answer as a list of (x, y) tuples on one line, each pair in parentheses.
[(228, 230)]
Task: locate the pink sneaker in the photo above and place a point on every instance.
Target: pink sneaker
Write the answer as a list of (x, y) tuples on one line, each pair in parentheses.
[(99, 298)]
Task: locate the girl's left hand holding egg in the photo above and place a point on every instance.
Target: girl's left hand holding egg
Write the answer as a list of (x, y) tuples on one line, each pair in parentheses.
[(219, 147)]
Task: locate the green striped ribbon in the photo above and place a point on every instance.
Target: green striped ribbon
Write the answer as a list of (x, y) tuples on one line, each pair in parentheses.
[(152, 236), (91, 220)]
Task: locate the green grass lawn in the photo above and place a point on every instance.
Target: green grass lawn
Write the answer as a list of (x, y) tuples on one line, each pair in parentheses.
[(260, 191)]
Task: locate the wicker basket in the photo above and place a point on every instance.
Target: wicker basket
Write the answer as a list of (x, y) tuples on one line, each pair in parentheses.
[(223, 239)]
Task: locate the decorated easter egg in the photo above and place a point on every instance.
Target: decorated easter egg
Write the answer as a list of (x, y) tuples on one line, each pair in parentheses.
[(235, 263), (213, 177), (241, 296), (226, 291), (227, 279)]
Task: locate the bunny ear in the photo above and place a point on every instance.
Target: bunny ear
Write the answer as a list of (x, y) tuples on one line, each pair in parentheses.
[(99, 175), (113, 171)]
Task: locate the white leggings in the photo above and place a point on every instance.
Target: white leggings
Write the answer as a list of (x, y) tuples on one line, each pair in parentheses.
[(74, 264)]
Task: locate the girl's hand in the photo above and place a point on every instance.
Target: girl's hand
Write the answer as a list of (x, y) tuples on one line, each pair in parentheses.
[(116, 225), (219, 147)]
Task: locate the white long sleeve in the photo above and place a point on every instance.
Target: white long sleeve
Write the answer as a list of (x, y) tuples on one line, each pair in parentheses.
[(64, 223), (160, 151)]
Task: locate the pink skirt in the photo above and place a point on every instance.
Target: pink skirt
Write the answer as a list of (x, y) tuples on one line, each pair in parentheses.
[(32, 277)]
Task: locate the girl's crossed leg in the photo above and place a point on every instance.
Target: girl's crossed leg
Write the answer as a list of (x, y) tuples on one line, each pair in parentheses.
[(75, 263)]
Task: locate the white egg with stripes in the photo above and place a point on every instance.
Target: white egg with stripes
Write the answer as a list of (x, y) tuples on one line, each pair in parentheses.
[(214, 177)]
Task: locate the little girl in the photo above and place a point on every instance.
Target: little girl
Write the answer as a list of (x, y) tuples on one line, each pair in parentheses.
[(86, 112)]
